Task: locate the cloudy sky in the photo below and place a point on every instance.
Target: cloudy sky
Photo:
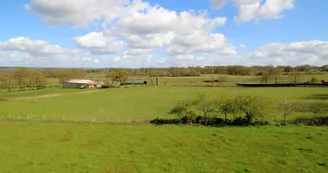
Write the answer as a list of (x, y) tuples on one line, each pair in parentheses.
[(162, 33)]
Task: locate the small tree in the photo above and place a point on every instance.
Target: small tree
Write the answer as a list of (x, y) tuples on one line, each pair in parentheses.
[(182, 108), (315, 79), (315, 109), (264, 78), (226, 106), (205, 104), (183, 111), (288, 107), (117, 75), (253, 106)]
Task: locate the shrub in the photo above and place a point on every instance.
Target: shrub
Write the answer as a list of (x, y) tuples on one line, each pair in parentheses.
[(288, 107), (226, 106), (315, 79), (253, 107)]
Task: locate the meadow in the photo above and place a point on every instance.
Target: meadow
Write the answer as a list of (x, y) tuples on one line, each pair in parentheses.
[(63, 138), (142, 102), (84, 147)]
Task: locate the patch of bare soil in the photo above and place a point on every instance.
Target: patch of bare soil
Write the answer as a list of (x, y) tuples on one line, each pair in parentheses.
[(40, 96)]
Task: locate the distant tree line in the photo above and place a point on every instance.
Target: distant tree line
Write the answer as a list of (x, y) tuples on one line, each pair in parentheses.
[(26, 78), (226, 70), (22, 78)]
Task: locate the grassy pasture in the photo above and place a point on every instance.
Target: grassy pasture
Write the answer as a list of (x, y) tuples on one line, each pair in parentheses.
[(17, 94), (29, 146), (196, 81), (65, 147), (145, 102)]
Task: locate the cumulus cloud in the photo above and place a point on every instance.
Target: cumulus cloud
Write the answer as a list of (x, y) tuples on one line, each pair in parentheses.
[(257, 10), (296, 53), (133, 32), (96, 43), (37, 53), (76, 12), (196, 42), (157, 27), (33, 47)]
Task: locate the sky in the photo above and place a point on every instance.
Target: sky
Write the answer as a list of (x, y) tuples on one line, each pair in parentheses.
[(162, 33)]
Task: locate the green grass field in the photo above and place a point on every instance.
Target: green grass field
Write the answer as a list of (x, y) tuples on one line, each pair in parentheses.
[(70, 147), (41, 145), (142, 102)]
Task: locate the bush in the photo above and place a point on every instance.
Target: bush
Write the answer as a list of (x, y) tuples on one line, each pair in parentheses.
[(315, 79), (317, 121)]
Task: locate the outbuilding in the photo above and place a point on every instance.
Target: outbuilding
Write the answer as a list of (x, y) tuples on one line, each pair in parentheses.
[(324, 81), (134, 83), (77, 83)]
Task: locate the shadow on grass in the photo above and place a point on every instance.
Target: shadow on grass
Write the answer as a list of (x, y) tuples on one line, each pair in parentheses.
[(314, 121), (240, 121), (209, 121), (317, 97)]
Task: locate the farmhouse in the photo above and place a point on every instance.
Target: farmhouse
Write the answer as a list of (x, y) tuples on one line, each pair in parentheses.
[(324, 81), (77, 83)]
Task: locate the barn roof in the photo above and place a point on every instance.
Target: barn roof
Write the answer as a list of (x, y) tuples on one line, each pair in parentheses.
[(81, 81)]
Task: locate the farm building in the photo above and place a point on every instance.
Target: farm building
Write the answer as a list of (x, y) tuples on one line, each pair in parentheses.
[(76, 83), (134, 83), (324, 81)]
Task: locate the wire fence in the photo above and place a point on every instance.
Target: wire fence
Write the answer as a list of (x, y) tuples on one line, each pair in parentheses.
[(70, 119)]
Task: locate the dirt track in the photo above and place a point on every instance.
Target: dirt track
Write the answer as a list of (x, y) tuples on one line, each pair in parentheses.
[(52, 95)]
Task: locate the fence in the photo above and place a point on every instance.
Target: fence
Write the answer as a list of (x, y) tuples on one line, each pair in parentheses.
[(70, 119)]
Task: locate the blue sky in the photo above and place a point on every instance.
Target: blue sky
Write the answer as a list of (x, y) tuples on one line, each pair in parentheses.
[(156, 33)]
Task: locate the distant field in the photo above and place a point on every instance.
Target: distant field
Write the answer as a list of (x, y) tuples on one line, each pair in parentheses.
[(17, 94), (196, 81), (144, 102), (65, 147)]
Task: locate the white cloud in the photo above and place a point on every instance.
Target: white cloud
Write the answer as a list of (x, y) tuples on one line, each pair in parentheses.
[(133, 31), (33, 47), (196, 42), (150, 41), (157, 27), (96, 43), (254, 9), (157, 19), (230, 50), (296, 53), (37, 53), (77, 12)]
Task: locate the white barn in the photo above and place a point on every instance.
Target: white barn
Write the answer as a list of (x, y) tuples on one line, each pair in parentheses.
[(77, 83)]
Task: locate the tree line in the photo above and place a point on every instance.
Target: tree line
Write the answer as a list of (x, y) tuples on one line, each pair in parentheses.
[(22, 78), (226, 70), (35, 78)]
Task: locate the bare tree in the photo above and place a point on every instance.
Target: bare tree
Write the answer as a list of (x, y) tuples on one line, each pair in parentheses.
[(288, 107)]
